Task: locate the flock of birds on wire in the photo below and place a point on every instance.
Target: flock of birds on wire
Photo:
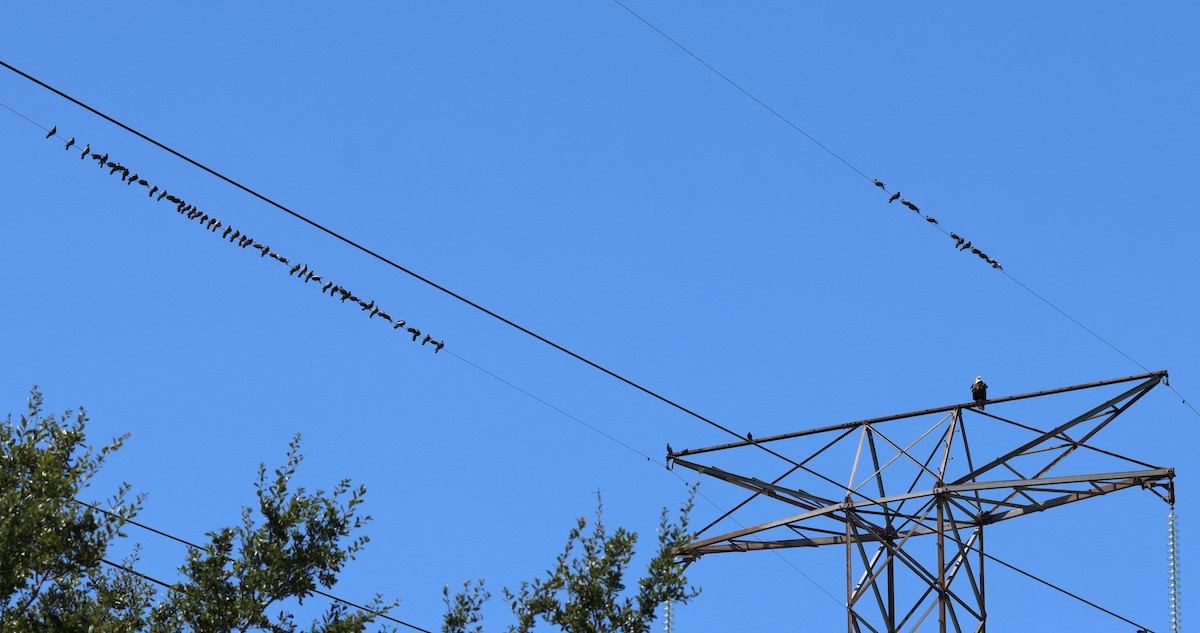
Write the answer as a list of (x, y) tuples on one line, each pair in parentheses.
[(212, 224), (961, 243)]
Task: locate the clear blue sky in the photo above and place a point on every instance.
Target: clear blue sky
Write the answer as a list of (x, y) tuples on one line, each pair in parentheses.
[(564, 165)]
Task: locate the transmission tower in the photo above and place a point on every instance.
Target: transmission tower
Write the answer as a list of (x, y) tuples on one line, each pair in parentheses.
[(909, 496)]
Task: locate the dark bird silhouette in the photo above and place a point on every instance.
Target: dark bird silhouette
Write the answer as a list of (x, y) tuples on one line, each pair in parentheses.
[(213, 223), (293, 270), (282, 259), (399, 324), (976, 251), (930, 219), (114, 170), (979, 391), (373, 312), (910, 205), (326, 287), (965, 246), (162, 195), (70, 143), (415, 332), (265, 249), (440, 345), (145, 183), (997, 265), (879, 183), (312, 277), (750, 436), (669, 451), (104, 160), (152, 190), (52, 132), (427, 339), (87, 150), (957, 240), (228, 230), (132, 179), (367, 306), (234, 236), (895, 197), (174, 199), (385, 316)]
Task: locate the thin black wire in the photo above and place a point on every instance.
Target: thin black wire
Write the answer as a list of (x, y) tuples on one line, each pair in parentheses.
[(649, 459), (743, 90), (370, 252), (868, 178), (1060, 589), (201, 547)]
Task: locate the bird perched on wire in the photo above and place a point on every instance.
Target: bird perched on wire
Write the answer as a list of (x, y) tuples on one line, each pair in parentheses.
[(879, 183), (964, 246), (415, 332), (930, 219), (87, 150), (910, 205), (979, 391), (895, 197), (152, 190), (399, 324), (162, 195), (440, 345), (70, 143), (52, 132)]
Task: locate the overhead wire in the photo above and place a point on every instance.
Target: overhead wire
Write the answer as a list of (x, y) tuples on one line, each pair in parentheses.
[(370, 252), (184, 541), (880, 185)]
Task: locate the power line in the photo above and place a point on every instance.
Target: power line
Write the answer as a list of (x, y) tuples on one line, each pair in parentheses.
[(878, 183), (370, 252), (203, 548)]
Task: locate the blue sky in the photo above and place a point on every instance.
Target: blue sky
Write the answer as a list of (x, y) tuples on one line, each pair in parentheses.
[(565, 166)]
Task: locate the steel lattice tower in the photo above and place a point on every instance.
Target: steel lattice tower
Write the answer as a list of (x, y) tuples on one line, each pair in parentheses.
[(909, 496)]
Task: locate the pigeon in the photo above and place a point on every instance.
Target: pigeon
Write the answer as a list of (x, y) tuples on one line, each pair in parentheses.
[(173, 199), (327, 286), (415, 332), (440, 345), (367, 306), (895, 197), (965, 246), (114, 169), (145, 183), (235, 235), (976, 251), (162, 195), (929, 219), (373, 312), (152, 190), (879, 183), (399, 324), (87, 150), (228, 230), (132, 179), (957, 240), (52, 132), (104, 160), (427, 339), (294, 269), (750, 436), (385, 316), (910, 205), (997, 265), (70, 143), (213, 223), (669, 451), (312, 277), (283, 260)]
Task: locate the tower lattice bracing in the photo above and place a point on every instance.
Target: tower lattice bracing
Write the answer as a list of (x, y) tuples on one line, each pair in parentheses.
[(909, 497)]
